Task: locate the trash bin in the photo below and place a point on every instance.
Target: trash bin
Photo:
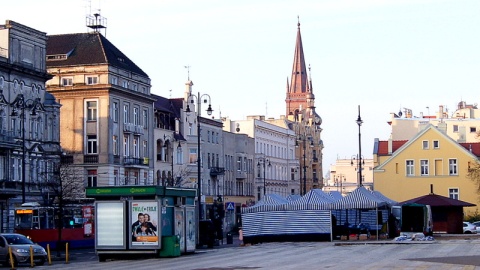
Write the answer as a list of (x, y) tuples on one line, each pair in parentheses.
[(229, 238), (170, 246)]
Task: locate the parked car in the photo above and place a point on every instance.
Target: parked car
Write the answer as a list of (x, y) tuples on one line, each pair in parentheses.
[(469, 228), (477, 223), (20, 246)]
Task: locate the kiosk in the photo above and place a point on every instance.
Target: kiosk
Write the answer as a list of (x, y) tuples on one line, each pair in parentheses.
[(144, 219)]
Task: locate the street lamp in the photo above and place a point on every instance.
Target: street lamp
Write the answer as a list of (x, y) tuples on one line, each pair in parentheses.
[(20, 103), (340, 179), (171, 143), (198, 112), (359, 160), (303, 138), (264, 162)]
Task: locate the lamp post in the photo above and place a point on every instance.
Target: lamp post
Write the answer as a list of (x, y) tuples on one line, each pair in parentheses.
[(359, 160), (20, 103), (198, 112), (339, 179), (171, 143), (264, 162)]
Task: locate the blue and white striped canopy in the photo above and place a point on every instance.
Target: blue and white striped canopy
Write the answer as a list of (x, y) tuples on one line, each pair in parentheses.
[(360, 198)]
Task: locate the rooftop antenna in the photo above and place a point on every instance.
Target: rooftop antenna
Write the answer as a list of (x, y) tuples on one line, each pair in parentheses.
[(266, 109), (188, 72), (96, 22), (170, 93)]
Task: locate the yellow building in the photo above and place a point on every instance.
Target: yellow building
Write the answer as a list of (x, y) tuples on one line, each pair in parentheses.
[(409, 169)]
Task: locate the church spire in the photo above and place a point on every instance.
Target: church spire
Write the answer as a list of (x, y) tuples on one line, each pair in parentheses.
[(299, 84)]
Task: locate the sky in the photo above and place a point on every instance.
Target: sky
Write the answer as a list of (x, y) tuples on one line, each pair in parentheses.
[(381, 55)]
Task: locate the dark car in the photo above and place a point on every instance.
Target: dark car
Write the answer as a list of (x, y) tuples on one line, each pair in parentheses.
[(20, 246)]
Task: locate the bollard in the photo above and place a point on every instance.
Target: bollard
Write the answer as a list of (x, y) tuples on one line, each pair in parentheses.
[(12, 262), (48, 255), (66, 253), (31, 257)]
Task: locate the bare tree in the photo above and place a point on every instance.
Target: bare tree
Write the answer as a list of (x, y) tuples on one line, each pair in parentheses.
[(65, 183), (474, 174), (181, 178)]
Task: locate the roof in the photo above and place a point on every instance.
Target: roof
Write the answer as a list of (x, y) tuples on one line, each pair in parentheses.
[(87, 49), (383, 147), (437, 200), (360, 198), (474, 148)]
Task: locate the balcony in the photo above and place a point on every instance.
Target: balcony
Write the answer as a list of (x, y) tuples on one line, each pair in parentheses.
[(116, 159), (241, 175), (315, 159), (90, 159), (214, 171), (136, 161), (315, 180), (132, 128), (66, 159)]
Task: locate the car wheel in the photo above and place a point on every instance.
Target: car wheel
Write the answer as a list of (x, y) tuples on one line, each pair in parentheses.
[(41, 262), (468, 232)]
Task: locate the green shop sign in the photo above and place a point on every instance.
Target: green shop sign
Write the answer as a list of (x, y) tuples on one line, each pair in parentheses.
[(120, 191)]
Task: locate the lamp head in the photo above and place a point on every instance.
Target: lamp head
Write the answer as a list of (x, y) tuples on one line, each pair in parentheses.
[(209, 110)]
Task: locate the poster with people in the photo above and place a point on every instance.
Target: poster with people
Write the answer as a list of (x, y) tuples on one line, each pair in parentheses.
[(145, 219)]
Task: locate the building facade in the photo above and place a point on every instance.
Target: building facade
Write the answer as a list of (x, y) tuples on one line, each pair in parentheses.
[(344, 175), (106, 118), (29, 123), (429, 162)]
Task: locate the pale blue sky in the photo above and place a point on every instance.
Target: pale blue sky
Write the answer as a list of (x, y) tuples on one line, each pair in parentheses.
[(381, 54)]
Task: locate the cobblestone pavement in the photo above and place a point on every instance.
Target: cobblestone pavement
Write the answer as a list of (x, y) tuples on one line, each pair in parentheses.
[(456, 253)]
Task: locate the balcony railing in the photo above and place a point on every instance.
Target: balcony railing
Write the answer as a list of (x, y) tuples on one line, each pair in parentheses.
[(90, 159), (66, 159), (132, 128), (315, 159), (214, 171), (136, 161)]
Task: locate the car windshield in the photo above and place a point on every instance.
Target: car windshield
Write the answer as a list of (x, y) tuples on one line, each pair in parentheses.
[(16, 239)]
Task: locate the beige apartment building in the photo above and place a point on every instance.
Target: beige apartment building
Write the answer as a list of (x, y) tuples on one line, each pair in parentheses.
[(344, 175), (106, 123)]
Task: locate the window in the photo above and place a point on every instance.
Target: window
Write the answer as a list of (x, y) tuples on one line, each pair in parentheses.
[(424, 144), (208, 136), (208, 161), (239, 164), (126, 146), (136, 116), (125, 114), (179, 156), (145, 118), (134, 87), (410, 168), (453, 193), (473, 129), (436, 144), (115, 112), (245, 164), (90, 80), (145, 148), (192, 156), (455, 128), (125, 84), (91, 111), (115, 145), (424, 167), (92, 178), (452, 167), (67, 81), (136, 147), (92, 144), (114, 80)]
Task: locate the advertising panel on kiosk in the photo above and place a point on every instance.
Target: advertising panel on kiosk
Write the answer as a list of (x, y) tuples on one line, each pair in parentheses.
[(144, 219), (110, 225)]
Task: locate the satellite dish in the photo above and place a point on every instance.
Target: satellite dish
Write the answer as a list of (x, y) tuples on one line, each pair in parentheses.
[(400, 113)]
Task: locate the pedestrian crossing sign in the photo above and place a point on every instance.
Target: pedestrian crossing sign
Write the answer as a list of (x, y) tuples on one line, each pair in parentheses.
[(230, 206)]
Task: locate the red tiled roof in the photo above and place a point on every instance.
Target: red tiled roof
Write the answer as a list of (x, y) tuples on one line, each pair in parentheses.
[(383, 147), (472, 147)]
